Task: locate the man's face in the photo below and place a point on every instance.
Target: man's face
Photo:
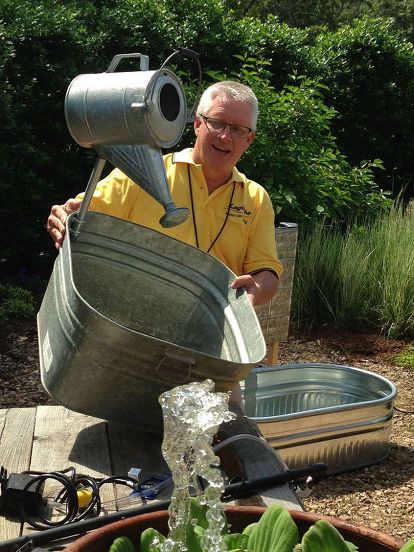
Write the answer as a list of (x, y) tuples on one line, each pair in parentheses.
[(223, 149)]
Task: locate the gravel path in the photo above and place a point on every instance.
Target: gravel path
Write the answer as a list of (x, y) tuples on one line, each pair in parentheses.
[(380, 496)]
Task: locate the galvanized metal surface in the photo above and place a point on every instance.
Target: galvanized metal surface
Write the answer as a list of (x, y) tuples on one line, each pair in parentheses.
[(145, 166), (322, 413), (133, 107), (129, 313), (127, 117)]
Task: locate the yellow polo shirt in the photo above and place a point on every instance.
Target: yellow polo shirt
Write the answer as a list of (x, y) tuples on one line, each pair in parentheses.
[(247, 242)]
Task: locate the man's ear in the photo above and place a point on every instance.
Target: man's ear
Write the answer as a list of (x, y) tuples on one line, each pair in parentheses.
[(250, 137), (197, 123)]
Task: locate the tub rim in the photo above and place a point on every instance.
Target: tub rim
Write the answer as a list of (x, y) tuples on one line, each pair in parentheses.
[(327, 409)]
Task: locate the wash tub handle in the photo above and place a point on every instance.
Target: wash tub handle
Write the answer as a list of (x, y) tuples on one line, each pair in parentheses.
[(176, 356)]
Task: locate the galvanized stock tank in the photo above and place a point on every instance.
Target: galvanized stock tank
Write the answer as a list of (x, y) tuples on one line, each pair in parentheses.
[(129, 313), (329, 413)]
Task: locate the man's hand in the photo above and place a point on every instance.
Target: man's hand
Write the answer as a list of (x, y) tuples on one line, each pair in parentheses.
[(57, 220), (260, 287)]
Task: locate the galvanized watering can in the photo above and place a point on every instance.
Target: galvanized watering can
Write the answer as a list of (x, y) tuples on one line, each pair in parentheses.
[(129, 312), (127, 117)]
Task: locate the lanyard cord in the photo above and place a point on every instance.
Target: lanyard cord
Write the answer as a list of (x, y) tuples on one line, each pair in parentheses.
[(193, 212)]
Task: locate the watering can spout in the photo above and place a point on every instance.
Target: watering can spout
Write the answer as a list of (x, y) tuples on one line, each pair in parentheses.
[(144, 165), (127, 117)]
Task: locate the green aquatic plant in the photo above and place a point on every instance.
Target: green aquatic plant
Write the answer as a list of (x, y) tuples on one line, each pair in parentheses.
[(274, 532)]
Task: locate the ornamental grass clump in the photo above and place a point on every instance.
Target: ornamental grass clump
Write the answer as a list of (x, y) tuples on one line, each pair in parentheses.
[(358, 279)]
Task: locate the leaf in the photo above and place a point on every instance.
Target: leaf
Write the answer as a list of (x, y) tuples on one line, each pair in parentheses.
[(408, 546), (149, 540), (236, 541), (323, 537), (122, 544), (247, 530), (275, 532), (196, 526)]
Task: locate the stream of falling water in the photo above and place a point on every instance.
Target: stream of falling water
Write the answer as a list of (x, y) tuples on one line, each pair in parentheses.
[(192, 414)]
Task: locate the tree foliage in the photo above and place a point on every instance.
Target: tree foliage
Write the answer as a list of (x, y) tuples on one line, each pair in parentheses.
[(329, 15), (368, 69), (296, 156), (326, 99)]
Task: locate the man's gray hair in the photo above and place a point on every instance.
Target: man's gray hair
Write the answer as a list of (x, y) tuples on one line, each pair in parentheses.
[(231, 90)]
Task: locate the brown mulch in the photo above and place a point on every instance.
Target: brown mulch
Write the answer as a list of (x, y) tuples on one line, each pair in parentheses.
[(380, 496)]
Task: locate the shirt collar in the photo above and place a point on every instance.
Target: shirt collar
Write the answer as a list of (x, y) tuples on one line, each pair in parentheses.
[(184, 156)]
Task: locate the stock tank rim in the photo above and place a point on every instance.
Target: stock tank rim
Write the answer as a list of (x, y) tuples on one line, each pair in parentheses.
[(318, 411)]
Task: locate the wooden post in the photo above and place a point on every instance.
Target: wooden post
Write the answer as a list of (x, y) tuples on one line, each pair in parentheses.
[(274, 317)]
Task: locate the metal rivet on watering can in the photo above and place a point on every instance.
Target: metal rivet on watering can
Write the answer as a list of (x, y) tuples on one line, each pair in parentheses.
[(127, 117)]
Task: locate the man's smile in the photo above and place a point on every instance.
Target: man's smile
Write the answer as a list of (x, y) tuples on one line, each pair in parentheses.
[(221, 149)]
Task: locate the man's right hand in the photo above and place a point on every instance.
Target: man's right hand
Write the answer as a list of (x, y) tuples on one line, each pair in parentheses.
[(56, 222)]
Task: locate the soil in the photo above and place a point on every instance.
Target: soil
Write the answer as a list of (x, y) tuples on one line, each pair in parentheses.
[(380, 496)]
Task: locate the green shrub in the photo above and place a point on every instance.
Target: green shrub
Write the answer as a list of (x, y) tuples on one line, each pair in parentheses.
[(44, 45), (38, 163), (15, 303), (368, 68), (285, 48), (295, 154)]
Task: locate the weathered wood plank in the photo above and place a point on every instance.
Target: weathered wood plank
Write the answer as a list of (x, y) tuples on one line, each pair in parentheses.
[(130, 448), (3, 414), (63, 438), (53, 438), (17, 426), (252, 459)]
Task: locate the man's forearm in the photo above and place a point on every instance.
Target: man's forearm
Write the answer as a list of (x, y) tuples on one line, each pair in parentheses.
[(267, 284)]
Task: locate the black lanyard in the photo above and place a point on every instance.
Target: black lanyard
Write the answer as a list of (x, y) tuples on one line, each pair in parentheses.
[(194, 219)]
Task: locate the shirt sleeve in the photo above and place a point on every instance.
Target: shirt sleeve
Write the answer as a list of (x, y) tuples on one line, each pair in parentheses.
[(114, 195), (261, 249)]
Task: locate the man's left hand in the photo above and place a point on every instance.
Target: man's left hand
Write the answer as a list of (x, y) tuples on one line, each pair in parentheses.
[(260, 287)]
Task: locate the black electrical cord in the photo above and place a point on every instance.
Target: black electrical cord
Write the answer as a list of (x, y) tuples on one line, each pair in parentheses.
[(244, 489), (71, 483)]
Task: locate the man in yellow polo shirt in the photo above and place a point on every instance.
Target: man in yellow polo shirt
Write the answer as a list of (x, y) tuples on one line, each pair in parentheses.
[(231, 217)]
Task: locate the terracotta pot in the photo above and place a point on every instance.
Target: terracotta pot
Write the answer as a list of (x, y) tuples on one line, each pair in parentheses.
[(239, 517)]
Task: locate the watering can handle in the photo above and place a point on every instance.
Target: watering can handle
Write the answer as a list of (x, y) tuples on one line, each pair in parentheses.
[(185, 52), (143, 62), (188, 362)]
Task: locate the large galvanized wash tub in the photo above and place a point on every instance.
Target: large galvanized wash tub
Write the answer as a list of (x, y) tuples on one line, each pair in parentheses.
[(328, 413), (130, 313)]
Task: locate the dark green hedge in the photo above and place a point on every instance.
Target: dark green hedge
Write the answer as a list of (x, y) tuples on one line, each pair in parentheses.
[(368, 70)]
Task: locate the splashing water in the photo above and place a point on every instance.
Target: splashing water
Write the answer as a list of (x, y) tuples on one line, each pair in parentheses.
[(192, 414)]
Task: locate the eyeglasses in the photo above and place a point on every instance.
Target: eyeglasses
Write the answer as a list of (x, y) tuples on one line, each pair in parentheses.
[(216, 125)]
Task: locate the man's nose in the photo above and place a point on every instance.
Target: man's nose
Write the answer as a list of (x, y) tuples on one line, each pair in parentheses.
[(225, 132)]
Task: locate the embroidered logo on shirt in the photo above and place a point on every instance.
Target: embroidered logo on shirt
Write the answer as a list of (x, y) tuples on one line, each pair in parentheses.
[(239, 210)]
